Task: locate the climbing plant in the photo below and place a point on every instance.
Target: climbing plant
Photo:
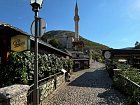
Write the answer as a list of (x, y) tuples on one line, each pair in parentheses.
[(128, 83), (20, 67)]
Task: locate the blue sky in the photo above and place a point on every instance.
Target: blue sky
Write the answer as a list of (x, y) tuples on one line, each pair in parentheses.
[(115, 23)]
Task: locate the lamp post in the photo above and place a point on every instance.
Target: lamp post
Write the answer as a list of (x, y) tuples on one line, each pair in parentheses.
[(36, 6)]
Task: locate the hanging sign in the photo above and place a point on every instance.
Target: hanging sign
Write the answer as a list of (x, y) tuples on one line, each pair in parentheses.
[(63, 70), (20, 43)]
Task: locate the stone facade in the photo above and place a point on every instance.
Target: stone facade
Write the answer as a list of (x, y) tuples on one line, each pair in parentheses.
[(49, 86), (66, 41), (14, 95)]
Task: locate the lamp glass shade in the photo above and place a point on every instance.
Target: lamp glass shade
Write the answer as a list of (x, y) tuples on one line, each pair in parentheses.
[(36, 2), (39, 1), (32, 1)]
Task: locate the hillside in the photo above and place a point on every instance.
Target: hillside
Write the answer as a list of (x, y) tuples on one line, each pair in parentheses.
[(59, 33), (94, 46)]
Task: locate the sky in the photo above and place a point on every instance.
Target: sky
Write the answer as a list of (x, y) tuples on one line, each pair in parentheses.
[(115, 23)]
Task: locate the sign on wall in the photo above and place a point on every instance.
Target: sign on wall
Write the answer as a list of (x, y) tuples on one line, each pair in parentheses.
[(107, 54), (20, 43)]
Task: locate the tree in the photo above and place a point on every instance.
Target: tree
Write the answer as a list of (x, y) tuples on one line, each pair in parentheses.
[(137, 45), (54, 42)]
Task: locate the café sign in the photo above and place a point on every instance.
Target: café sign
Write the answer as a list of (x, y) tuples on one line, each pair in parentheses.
[(20, 43)]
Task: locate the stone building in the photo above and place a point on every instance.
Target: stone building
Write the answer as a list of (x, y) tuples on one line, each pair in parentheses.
[(66, 41), (72, 44), (81, 59)]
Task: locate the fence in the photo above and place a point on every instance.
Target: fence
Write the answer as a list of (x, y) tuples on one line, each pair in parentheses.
[(46, 87)]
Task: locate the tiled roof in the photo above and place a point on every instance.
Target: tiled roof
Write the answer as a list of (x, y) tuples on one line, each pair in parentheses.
[(2, 24)]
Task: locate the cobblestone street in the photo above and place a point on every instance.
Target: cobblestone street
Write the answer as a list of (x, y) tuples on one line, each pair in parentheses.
[(87, 87)]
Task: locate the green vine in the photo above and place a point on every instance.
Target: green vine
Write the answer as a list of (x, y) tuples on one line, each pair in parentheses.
[(126, 87), (20, 67)]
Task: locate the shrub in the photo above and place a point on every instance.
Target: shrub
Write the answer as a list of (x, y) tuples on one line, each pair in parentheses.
[(20, 67)]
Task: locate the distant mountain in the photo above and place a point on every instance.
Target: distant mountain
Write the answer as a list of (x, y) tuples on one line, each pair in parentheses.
[(94, 46), (59, 33)]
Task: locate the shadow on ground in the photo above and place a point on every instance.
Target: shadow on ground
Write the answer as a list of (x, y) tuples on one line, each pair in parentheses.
[(100, 79), (96, 79), (112, 99)]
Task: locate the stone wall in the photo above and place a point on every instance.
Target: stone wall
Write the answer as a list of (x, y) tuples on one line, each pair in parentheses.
[(17, 94), (60, 80), (14, 95), (49, 86)]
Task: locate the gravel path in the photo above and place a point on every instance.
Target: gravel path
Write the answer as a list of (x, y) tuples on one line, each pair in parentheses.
[(87, 87)]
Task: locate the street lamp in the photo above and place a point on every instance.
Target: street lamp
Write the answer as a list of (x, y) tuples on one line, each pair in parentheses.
[(36, 5)]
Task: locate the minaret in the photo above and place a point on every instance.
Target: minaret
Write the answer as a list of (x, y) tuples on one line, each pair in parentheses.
[(76, 19)]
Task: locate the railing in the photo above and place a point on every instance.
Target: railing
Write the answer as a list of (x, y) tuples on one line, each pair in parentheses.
[(128, 87), (46, 87)]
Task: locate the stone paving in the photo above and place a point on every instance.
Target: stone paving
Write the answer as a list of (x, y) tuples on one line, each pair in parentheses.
[(87, 87)]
